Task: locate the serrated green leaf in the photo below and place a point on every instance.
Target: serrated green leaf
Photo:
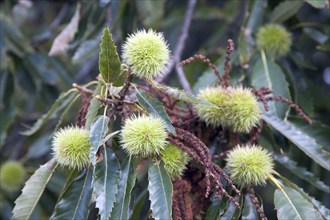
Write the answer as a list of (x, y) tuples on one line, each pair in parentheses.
[(58, 105), (98, 130), (106, 138), (320, 132), (71, 175), (318, 3), (289, 204), (27, 202), (285, 10), (301, 172), (317, 205), (109, 63), (127, 183), (270, 75), (249, 211), (155, 107), (303, 141), (232, 212), (181, 95), (267, 139), (160, 191), (218, 205), (94, 106), (76, 198), (105, 182), (141, 206), (216, 208)]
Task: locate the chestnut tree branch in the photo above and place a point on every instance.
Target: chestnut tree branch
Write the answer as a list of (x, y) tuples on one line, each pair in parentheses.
[(181, 42), (183, 79)]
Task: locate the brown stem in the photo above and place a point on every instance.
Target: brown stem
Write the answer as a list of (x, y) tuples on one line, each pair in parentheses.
[(230, 49), (205, 60), (81, 88), (126, 86), (256, 203), (182, 39), (255, 133), (292, 105)]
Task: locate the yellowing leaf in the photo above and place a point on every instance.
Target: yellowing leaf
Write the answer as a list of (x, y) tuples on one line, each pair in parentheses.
[(61, 42)]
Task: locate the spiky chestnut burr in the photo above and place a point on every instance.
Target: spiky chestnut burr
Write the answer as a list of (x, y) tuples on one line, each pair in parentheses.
[(249, 165), (143, 136), (241, 110), (274, 39), (71, 147), (175, 160), (147, 53), (216, 96), (12, 175)]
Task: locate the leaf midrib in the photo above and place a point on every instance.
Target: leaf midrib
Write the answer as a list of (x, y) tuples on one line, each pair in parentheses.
[(122, 206), (267, 75), (283, 126), (294, 208), (80, 196), (105, 176), (167, 203), (108, 56), (41, 192)]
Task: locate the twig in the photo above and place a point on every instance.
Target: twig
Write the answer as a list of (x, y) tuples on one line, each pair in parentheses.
[(181, 42), (255, 133), (126, 86), (256, 204), (292, 105), (230, 49), (183, 80), (205, 60), (81, 88)]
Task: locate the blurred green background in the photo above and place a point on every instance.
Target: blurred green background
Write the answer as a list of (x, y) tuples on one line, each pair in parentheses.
[(31, 79)]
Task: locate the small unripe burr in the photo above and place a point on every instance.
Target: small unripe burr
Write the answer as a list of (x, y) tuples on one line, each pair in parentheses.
[(12, 176), (71, 147), (274, 39), (175, 160)]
